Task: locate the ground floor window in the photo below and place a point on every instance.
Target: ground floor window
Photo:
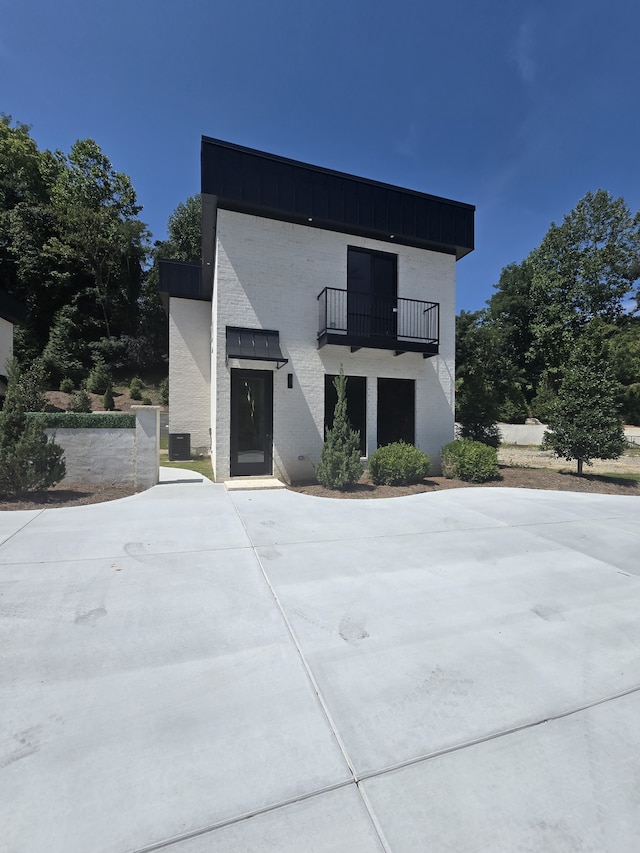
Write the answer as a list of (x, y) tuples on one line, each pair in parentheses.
[(356, 405), (396, 411)]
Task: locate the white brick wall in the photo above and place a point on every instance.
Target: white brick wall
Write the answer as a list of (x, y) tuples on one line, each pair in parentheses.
[(268, 275), (6, 344), (190, 370)]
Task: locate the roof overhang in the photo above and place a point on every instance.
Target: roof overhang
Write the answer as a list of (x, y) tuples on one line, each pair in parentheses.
[(254, 182), (255, 345)]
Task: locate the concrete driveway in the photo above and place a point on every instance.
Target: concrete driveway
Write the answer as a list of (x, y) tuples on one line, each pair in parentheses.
[(196, 671)]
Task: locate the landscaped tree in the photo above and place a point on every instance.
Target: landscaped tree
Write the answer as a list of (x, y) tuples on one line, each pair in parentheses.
[(583, 270), (340, 466), (584, 422), (28, 459), (476, 387)]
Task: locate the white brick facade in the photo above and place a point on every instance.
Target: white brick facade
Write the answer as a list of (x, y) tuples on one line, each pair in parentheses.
[(190, 370), (268, 275)]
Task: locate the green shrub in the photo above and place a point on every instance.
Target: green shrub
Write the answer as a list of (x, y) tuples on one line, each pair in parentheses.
[(135, 388), (29, 461), (80, 401), (89, 420), (164, 391), (147, 401), (67, 385), (398, 464), (108, 403), (99, 378), (471, 461), (340, 466)]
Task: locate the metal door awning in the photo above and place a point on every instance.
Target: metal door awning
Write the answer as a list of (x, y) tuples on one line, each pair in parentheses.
[(255, 345)]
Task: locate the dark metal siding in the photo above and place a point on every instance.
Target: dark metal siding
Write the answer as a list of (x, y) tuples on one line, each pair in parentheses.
[(255, 182), (11, 309), (182, 279)]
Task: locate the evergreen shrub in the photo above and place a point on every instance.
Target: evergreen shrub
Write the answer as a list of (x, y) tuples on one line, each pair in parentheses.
[(471, 461), (164, 391), (79, 401), (108, 403), (29, 461), (340, 466), (66, 385), (135, 388), (99, 378), (398, 464)]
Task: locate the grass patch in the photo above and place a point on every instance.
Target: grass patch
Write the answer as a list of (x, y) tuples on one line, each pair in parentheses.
[(199, 464), (621, 477)]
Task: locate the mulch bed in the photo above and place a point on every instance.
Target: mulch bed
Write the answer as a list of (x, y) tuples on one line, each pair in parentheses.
[(515, 478), (66, 495)]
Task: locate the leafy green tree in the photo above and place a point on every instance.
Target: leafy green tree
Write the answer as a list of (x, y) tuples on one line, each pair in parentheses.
[(184, 233), (507, 325), (340, 466), (476, 394), (584, 422), (183, 243), (29, 461), (583, 270), (72, 248)]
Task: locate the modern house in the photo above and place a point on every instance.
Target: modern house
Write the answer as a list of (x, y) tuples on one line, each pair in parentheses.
[(11, 312), (306, 270)]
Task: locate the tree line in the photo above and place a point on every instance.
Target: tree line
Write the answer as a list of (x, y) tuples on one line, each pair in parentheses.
[(563, 319), (74, 250)]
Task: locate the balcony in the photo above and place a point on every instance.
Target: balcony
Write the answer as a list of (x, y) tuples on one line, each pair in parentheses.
[(359, 321)]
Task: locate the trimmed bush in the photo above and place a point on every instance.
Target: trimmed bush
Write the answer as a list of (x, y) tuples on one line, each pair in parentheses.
[(99, 378), (398, 464), (93, 420), (340, 466), (135, 388), (67, 385), (29, 461), (471, 461), (80, 401), (108, 403), (164, 391)]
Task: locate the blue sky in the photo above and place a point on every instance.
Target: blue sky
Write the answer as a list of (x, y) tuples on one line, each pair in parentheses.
[(516, 106)]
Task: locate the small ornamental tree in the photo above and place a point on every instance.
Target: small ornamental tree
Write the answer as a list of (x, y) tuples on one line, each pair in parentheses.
[(108, 402), (584, 423), (340, 466), (29, 461)]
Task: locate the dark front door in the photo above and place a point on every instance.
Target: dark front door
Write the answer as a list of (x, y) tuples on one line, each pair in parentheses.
[(251, 422)]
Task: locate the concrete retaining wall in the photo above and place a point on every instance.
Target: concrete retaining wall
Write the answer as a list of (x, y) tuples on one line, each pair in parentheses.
[(533, 433), (114, 456)]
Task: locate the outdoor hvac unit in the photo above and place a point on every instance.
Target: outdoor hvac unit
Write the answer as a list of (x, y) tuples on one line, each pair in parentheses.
[(179, 446)]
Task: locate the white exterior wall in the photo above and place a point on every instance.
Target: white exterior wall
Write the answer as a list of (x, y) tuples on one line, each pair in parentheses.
[(268, 275), (6, 344), (190, 370)]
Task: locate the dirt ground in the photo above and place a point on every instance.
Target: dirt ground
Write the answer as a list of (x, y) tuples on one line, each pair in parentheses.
[(59, 400), (520, 468)]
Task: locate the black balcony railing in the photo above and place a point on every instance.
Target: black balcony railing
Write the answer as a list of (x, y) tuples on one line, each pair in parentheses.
[(359, 320)]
